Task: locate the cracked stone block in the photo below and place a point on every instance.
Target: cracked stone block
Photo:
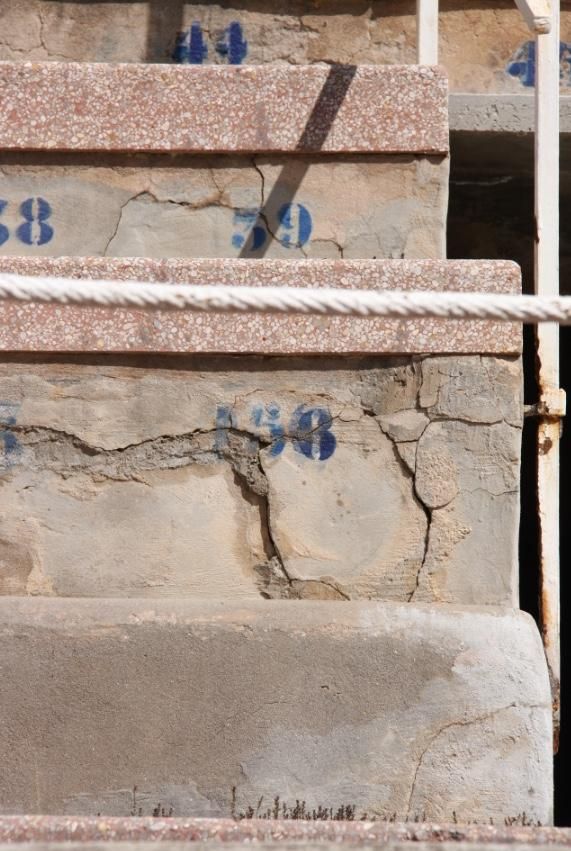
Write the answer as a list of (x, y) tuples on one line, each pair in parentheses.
[(352, 478), (393, 206), (365, 490), (398, 711), (483, 49)]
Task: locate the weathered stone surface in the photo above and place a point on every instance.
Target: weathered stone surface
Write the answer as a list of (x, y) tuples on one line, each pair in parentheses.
[(477, 43), (364, 530), (388, 708), (508, 114), (331, 479), (225, 207)]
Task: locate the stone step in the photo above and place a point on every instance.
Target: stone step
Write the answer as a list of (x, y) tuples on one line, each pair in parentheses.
[(354, 477), (72, 833), (160, 109), (484, 49), (46, 328), (226, 835), (206, 709), (263, 155)]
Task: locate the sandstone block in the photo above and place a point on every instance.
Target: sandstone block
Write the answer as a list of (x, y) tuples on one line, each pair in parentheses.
[(483, 48), (224, 207), (204, 707), (286, 477)]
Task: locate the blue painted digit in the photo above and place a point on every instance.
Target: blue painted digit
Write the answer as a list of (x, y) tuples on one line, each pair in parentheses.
[(295, 225), (11, 450), (313, 435), (35, 230), (268, 416), (190, 48), (4, 232), (524, 61), (523, 64), (232, 45), (224, 421), (245, 223)]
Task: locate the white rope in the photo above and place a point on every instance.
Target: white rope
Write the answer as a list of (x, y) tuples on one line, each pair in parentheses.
[(288, 300)]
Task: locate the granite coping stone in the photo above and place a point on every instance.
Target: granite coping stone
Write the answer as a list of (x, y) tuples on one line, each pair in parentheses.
[(206, 708), (51, 328), (70, 832), (126, 107)]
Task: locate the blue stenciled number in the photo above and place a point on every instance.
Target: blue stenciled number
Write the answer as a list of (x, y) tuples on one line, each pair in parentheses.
[(233, 45), (245, 222), (523, 63), (310, 429), (268, 416), (314, 438), (11, 449), (224, 421), (4, 232), (294, 225), (35, 230), (190, 48)]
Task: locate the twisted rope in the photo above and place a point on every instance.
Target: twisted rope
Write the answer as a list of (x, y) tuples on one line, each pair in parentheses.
[(287, 300)]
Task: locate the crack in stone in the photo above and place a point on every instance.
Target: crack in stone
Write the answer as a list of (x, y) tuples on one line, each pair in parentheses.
[(216, 202), (427, 511), (120, 219), (66, 454), (467, 723)]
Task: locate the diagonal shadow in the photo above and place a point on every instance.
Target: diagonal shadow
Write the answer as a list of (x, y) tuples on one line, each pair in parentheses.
[(164, 21), (292, 174)]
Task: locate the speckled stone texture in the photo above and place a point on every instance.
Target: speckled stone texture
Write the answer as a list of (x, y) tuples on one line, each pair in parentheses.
[(68, 329), (74, 830), (94, 107), (400, 711), (209, 834)]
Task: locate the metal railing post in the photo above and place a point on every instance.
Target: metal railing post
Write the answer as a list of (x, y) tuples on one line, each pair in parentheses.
[(552, 399), (427, 32)]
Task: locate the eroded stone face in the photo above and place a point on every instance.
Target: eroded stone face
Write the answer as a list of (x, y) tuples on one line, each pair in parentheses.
[(206, 709), (484, 48), (224, 207), (376, 478)]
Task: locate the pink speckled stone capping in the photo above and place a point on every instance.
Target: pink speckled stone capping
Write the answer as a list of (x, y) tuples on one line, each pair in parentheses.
[(51, 328), (258, 832), (100, 107)]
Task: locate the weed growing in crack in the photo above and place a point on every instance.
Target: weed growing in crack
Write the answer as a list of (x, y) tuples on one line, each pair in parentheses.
[(298, 812), (158, 811), (282, 811)]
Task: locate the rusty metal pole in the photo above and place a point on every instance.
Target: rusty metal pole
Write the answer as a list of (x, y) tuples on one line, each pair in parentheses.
[(552, 398)]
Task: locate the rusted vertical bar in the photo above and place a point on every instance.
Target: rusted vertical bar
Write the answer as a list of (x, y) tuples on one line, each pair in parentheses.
[(552, 399)]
